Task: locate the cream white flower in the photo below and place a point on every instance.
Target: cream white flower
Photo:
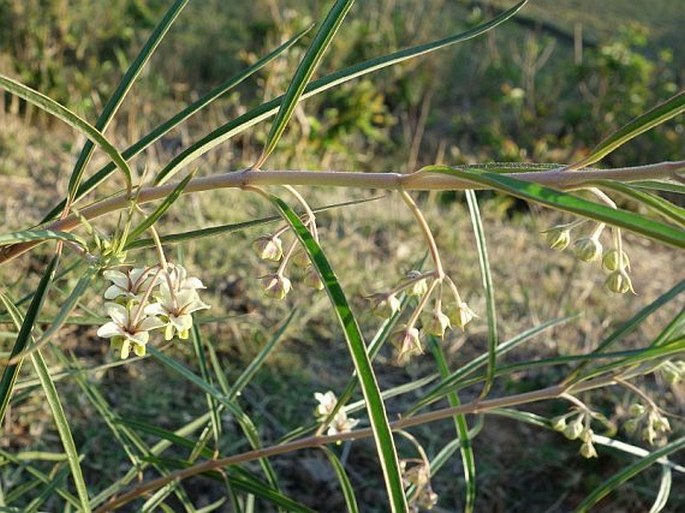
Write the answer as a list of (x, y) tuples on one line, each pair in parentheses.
[(175, 310), (326, 404), (125, 331), (341, 424), (131, 284)]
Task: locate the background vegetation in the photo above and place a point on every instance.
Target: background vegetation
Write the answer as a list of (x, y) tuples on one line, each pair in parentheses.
[(545, 87)]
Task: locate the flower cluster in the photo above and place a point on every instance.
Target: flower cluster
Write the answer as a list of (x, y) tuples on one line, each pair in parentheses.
[(576, 425), (588, 248), (148, 298), (435, 321), (416, 472), (276, 284), (340, 423), (649, 422)]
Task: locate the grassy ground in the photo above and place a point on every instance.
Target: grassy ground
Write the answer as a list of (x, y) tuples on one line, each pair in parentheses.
[(371, 246)]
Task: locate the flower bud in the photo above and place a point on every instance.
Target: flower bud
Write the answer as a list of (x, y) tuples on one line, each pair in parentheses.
[(660, 423), (587, 450), (275, 286), (587, 249), (574, 429), (673, 372), (268, 247), (610, 261), (311, 279), (558, 237), (586, 435), (630, 426), (427, 498), (418, 288), (384, 305), (300, 258), (407, 343), (436, 324), (460, 314), (559, 423), (636, 409), (619, 282)]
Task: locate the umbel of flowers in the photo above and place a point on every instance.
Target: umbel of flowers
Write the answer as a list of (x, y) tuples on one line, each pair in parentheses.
[(144, 299)]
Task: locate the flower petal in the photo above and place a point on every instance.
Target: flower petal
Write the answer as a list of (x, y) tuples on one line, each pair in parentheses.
[(118, 313), (117, 277), (110, 330)]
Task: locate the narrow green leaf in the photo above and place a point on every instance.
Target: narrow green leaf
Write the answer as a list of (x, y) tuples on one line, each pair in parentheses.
[(385, 445), (204, 371), (661, 185), (122, 90), (62, 428), (70, 118), (568, 203), (98, 177), (268, 109), (303, 74), (160, 210), (232, 227), (664, 490), (11, 372), (630, 326), (39, 235), (468, 459), (654, 202), (629, 472), (345, 484), (488, 288), (448, 383), (654, 117)]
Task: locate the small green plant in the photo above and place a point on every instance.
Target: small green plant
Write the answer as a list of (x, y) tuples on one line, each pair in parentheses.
[(151, 307)]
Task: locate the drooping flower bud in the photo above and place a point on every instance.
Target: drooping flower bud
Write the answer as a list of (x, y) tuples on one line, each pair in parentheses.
[(407, 343), (619, 282), (460, 314), (587, 249), (611, 259), (574, 429), (559, 423), (268, 247), (587, 450), (418, 288), (558, 237), (312, 279), (437, 324), (300, 258), (276, 285), (384, 305)]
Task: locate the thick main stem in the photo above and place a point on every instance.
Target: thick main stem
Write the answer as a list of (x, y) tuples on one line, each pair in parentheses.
[(316, 441), (555, 178)]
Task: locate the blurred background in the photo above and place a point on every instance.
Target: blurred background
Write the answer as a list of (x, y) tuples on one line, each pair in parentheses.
[(544, 87)]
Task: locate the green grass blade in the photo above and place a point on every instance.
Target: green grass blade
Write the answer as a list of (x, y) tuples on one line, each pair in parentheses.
[(654, 202), (268, 109), (62, 428), (629, 472), (160, 210), (631, 325), (468, 459), (664, 490), (660, 185), (256, 364), (173, 438), (568, 203), (345, 484), (40, 235), (11, 372), (488, 288), (385, 445), (70, 118), (654, 117), (213, 231), (99, 176), (204, 371), (322, 40), (122, 90), (465, 370)]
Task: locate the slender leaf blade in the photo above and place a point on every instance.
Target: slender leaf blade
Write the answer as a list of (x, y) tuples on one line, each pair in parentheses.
[(569, 203), (40, 235), (385, 444), (322, 40), (70, 118), (345, 484)]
